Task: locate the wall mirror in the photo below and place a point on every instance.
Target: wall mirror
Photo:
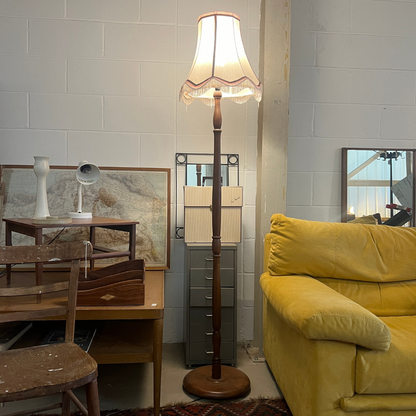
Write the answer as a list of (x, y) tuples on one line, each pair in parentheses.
[(378, 182), (195, 169)]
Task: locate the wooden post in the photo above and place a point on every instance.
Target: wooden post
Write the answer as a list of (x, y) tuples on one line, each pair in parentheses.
[(216, 381), (216, 240), (273, 124)]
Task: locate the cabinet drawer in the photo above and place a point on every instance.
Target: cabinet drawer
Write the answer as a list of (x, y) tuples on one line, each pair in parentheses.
[(202, 332), (203, 277), (203, 351), (201, 296), (204, 316), (203, 259)]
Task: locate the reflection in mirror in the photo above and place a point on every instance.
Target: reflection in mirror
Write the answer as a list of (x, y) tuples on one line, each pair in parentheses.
[(378, 183), (202, 175), (196, 169)]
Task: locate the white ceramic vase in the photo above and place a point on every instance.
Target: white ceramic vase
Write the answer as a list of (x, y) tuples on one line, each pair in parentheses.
[(41, 169)]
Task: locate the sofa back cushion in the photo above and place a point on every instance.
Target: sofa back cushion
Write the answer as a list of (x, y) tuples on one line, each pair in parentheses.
[(370, 253), (382, 299), (374, 265)]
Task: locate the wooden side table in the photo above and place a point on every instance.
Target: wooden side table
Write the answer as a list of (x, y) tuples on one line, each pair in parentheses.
[(26, 227), (132, 334)]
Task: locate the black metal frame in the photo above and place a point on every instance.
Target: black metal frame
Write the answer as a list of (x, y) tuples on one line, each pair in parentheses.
[(182, 160)]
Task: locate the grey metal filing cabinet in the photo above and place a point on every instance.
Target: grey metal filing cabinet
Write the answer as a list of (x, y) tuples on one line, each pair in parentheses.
[(198, 315)]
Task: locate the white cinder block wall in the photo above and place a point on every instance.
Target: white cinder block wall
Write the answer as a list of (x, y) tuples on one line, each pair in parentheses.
[(352, 84), (99, 80)]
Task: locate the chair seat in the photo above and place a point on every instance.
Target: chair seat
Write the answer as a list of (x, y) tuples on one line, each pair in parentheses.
[(393, 371), (44, 370)]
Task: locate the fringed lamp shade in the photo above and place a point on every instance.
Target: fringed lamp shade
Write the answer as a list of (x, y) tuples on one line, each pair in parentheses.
[(220, 63)]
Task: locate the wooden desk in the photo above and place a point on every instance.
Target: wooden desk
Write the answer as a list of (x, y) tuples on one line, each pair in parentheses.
[(26, 227), (131, 334)]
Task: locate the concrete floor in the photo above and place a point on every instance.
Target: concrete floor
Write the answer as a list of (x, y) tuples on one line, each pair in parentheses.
[(124, 386)]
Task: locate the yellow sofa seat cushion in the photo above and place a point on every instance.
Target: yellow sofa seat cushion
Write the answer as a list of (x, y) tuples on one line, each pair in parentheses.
[(341, 251), (393, 371), (320, 313)]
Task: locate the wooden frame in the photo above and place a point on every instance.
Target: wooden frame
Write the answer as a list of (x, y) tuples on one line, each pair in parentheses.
[(139, 194), (346, 178)]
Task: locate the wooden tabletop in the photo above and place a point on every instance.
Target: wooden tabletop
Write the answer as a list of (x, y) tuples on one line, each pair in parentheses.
[(153, 307), (76, 222)]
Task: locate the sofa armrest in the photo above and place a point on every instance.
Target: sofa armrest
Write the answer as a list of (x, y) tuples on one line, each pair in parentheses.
[(320, 313)]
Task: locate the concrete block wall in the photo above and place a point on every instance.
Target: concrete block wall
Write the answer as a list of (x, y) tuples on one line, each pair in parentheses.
[(352, 84), (99, 80)]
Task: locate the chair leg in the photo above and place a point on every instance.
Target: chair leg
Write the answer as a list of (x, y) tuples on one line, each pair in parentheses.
[(66, 404), (93, 402)]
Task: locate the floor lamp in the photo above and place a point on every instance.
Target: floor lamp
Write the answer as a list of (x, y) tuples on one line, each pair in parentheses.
[(220, 70)]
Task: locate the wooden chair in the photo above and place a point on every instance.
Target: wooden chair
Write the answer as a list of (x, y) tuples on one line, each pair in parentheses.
[(44, 370)]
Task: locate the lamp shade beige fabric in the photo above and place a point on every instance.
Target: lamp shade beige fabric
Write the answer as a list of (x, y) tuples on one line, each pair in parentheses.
[(220, 63)]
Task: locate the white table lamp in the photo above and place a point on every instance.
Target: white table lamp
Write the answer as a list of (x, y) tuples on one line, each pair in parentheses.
[(87, 174)]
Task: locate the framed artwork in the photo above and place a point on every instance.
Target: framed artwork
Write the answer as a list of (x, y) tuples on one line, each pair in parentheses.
[(136, 194)]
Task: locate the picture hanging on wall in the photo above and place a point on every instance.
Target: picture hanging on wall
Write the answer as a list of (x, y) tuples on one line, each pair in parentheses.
[(136, 194)]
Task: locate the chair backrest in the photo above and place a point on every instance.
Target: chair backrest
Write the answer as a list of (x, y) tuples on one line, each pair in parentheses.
[(374, 265), (29, 302)]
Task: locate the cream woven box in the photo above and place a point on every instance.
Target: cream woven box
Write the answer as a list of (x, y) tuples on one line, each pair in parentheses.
[(198, 214)]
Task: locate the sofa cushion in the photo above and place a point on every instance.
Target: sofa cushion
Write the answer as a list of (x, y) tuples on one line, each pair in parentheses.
[(342, 251), (393, 371), (382, 299), (320, 313)]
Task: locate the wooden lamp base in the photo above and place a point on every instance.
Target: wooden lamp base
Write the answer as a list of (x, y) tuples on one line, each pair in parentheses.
[(232, 384)]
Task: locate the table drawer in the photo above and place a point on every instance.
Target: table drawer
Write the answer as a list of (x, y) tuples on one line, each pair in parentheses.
[(202, 332), (204, 316), (203, 277), (203, 351), (203, 259), (201, 296)]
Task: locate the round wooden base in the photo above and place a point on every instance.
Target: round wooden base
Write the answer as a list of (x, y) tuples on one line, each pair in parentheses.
[(233, 383)]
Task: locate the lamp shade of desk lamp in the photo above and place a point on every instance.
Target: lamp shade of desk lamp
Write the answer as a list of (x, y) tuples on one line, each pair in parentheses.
[(86, 174), (220, 70)]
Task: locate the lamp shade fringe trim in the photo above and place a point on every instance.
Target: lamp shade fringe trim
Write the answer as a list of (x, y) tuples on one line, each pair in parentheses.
[(239, 91)]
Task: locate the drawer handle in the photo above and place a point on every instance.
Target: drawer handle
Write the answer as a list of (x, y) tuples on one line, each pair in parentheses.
[(209, 278), (208, 297), (209, 352), (209, 315), (208, 334), (208, 259)]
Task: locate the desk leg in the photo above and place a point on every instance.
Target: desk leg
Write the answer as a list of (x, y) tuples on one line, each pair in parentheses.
[(157, 362), (132, 242), (8, 243), (38, 266)]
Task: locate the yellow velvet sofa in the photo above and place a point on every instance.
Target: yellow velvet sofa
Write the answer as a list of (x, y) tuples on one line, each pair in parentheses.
[(340, 317)]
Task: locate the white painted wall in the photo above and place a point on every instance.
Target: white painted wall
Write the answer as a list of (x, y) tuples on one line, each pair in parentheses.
[(100, 79), (352, 84)]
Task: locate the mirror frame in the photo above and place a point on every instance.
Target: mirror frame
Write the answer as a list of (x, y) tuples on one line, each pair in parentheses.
[(183, 159), (344, 177)]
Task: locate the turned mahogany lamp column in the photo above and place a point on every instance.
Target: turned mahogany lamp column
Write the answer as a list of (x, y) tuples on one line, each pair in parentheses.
[(220, 70), (216, 240)]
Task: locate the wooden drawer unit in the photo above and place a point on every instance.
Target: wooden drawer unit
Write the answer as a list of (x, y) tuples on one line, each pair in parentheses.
[(198, 293)]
